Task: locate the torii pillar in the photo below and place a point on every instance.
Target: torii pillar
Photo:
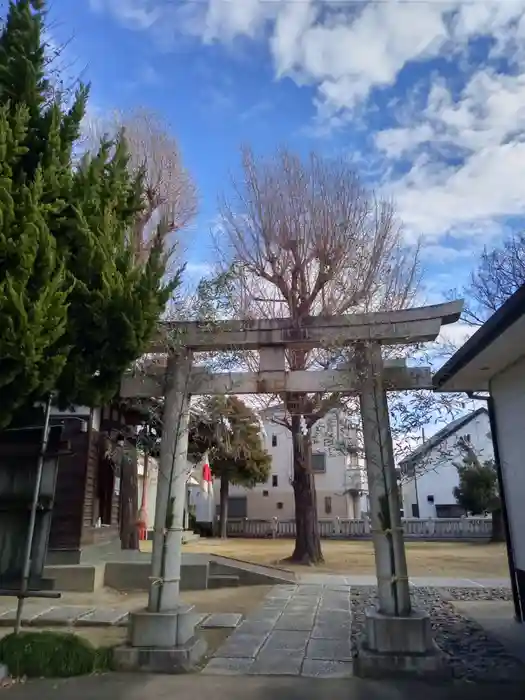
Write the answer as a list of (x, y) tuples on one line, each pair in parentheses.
[(397, 639)]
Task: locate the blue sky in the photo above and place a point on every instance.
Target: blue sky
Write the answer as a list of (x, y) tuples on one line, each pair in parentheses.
[(427, 98)]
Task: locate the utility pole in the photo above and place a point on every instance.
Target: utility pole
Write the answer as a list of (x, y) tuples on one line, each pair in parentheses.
[(415, 476)]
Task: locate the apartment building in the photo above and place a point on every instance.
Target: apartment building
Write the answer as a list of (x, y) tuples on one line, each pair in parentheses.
[(340, 475), (429, 474)]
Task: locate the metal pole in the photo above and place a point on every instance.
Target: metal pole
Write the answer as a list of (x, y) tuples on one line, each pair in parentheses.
[(32, 519), (415, 477)]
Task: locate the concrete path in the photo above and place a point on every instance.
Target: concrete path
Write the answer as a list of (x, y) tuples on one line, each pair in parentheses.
[(42, 614), (141, 687), (426, 581), (299, 630), (46, 613)]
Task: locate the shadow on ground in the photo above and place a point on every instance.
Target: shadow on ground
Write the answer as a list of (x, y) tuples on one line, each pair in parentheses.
[(197, 687)]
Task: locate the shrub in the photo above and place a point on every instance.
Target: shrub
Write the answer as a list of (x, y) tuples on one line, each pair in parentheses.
[(52, 655)]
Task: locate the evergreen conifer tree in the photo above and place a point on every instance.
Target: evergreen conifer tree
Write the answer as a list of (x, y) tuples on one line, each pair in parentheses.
[(74, 301), (33, 288)]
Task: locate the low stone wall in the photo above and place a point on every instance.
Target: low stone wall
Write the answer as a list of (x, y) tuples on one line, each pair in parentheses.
[(342, 528), (198, 572), (76, 578), (135, 576)]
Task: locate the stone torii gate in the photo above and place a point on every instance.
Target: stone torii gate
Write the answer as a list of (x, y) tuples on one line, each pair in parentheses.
[(397, 637)]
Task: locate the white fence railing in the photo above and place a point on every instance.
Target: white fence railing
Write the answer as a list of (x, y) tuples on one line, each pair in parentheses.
[(343, 528)]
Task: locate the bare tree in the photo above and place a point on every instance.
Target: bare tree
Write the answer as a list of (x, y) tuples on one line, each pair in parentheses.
[(499, 274), (306, 238), (170, 192)]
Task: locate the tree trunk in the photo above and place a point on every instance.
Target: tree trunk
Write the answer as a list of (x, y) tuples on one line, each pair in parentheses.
[(225, 487), (129, 536), (498, 529), (307, 540)]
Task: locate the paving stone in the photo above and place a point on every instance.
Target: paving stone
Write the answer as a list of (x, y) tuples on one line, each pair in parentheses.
[(302, 604), (102, 617), (250, 626), (329, 649), (241, 646), (220, 666), (295, 622), (317, 668), (338, 588), (309, 589), (274, 606), (326, 618), (222, 621), (31, 611), (264, 616), (304, 610), (342, 599), (337, 608), (331, 597), (285, 641), (64, 615), (306, 598), (341, 632), (279, 663)]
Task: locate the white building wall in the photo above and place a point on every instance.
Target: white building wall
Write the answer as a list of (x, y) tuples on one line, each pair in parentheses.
[(275, 498), (436, 474), (508, 392)]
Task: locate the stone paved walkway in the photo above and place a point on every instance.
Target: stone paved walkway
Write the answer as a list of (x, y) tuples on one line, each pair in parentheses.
[(38, 614), (299, 630)]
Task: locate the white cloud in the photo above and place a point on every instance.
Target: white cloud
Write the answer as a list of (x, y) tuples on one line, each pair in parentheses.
[(456, 334), (487, 125), (135, 14), (350, 53), (465, 154)]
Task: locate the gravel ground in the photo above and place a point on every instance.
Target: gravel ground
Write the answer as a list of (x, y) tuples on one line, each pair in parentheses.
[(502, 593), (472, 654)]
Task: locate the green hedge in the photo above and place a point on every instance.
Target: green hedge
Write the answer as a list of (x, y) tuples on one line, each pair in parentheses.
[(52, 655)]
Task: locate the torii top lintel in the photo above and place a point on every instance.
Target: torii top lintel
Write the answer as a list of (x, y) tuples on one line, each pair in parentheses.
[(417, 324)]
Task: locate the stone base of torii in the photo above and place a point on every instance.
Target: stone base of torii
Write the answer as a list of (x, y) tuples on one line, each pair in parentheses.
[(398, 639)]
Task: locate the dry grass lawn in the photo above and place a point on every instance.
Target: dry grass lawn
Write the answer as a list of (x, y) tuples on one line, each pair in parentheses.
[(452, 559)]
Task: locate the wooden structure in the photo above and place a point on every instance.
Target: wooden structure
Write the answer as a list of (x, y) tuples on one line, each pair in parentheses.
[(87, 498)]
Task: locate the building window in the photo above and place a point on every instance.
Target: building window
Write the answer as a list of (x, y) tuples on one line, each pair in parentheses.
[(430, 499), (319, 463), (279, 506), (328, 505), (275, 480), (274, 440), (265, 493)]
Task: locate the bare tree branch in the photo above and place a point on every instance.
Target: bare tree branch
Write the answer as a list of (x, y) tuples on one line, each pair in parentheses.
[(170, 192), (499, 274)]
